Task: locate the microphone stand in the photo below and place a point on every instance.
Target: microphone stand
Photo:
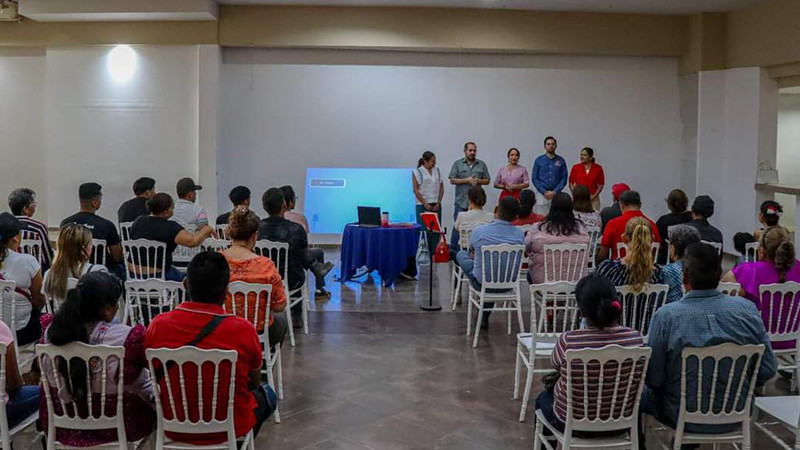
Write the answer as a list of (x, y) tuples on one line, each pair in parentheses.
[(430, 306)]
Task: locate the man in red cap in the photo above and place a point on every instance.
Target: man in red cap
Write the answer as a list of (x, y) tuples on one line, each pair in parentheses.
[(610, 212)]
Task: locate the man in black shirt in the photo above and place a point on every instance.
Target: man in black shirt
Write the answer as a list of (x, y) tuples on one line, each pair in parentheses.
[(144, 188), (91, 197), (702, 209), (239, 196), (678, 204), (613, 211)]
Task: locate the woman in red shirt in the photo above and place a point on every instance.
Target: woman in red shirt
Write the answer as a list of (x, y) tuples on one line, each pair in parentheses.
[(590, 174)]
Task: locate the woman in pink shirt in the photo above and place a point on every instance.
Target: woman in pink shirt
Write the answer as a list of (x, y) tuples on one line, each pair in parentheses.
[(559, 227), (512, 178)]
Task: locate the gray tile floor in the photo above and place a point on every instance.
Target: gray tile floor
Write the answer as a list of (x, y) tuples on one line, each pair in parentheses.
[(376, 372)]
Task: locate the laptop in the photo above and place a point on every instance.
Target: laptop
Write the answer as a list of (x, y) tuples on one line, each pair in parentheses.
[(369, 217)]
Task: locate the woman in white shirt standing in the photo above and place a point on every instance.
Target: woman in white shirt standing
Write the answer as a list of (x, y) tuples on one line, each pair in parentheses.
[(72, 261), (428, 190), (25, 271)]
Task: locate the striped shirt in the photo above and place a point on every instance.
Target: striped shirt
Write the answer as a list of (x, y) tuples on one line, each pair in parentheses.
[(593, 338), (39, 230), (618, 273)]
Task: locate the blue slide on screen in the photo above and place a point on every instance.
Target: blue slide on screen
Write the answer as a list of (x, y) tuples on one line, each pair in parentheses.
[(333, 195)]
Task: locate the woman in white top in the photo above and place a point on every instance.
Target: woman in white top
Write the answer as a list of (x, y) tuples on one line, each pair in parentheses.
[(428, 190), (72, 261), (475, 215), (25, 271)]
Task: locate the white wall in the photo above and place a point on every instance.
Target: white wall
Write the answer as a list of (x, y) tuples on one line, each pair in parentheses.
[(283, 111), (788, 152)]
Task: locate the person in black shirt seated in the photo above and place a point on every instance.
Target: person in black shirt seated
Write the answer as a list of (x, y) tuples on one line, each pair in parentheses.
[(158, 227), (678, 204), (702, 209), (91, 197), (144, 188), (239, 196)]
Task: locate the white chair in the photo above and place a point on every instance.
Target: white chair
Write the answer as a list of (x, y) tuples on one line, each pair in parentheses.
[(183, 255), (751, 252), (586, 410), (145, 259), (215, 365), (500, 284), (8, 305), (595, 236), (786, 410), (102, 360), (245, 301), (554, 310), (99, 248), (716, 245), (565, 262), (215, 245), (7, 434), (638, 308), (125, 230), (31, 244), (622, 250), (145, 299), (780, 310), (222, 231), (458, 276), (278, 252), (729, 288)]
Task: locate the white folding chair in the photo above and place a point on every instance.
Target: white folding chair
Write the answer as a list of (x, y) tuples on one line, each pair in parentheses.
[(458, 276), (523, 268), (8, 314), (500, 284), (183, 255), (595, 236), (565, 262), (145, 299), (588, 405), (62, 411), (31, 244), (99, 249), (786, 409), (780, 310), (554, 310), (214, 245), (751, 252), (245, 301), (145, 259), (639, 307), (729, 288), (717, 393), (717, 246), (7, 434), (278, 252), (125, 230), (622, 250), (182, 366), (222, 231)]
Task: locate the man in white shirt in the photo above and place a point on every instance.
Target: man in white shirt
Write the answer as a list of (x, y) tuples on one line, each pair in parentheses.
[(189, 214), (474, 215)]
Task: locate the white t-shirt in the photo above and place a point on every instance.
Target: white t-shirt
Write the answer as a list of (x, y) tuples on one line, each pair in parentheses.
[(189, 215), (86, 268), (473, 216), (428, 184), (19, 268)]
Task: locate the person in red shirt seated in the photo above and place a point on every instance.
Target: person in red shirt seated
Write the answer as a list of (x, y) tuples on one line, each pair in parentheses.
[(630, 204), (206, 282), (527, 200)]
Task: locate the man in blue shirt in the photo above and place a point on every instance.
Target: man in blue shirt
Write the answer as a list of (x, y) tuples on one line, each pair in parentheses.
[(549, 175), (702, 318), (499, 231)]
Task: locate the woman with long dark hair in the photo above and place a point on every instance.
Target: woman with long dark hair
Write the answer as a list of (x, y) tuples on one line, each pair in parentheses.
[(559, 227), (512, 178), (584, 210), (527, 200), (590, 174)]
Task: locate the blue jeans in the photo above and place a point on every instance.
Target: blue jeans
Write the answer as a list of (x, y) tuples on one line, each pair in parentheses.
[(467, 265), (266, 404), (21, 404), (173, 274), (454, 235)]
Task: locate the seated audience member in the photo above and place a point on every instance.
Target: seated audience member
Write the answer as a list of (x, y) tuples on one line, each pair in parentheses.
[(615, 210), (527, 200), (499, 231), (584, 210), (88, 316), (22, 400), (776, 264), (597, 300), (144, 189), (24, 270), (316, 254), (246, 266), (636, 268), (702, 209), (559, 227), (276, 228), (740, 241), (22, 203), (678, 203), (614, 231), (769, 214), (702, 318), (190, 215), (474, 215), (239, 196), (681, 236), (158, 227), (207, 289), (91, 197), (72, 261)]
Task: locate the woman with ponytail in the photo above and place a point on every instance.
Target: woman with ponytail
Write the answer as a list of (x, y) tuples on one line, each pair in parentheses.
[(87, 316), (599, 306), (590, 174), (428, 191), (636, 268), (769, 214), (72, 261)]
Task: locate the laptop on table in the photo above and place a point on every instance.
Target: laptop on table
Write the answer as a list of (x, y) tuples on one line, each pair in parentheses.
[(369, 217)]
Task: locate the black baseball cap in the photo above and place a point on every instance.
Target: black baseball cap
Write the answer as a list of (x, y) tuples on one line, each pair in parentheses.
[(88, 191), (186, 185), (703, 205), (9, 227)]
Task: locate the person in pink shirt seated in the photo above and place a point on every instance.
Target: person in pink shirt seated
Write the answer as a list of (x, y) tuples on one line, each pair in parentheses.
[(512, 178), (559, 227), (527, 200)]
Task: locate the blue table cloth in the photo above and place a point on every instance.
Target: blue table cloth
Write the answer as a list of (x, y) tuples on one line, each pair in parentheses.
[(386, 250)]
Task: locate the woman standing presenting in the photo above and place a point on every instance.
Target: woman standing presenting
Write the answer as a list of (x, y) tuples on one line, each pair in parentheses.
[(590, 174), (512, 178), (428, 186)]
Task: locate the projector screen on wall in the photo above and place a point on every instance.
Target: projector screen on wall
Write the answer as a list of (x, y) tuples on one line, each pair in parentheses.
[(334, 194)]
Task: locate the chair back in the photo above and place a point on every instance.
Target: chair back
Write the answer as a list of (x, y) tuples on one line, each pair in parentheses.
[(145, 299), (251, 302), (125, 230), (145, 259), (717, 246), (554, 310), (780, 310), (102, 407), (5, 433), (565, 262), (638, 308), (501, 265), (222, 231), (465, 234), (211, 378), (595, 236), (99, 250), (31, 244), (622, 250), (214, 245), (751, 252), (612, 401), (278, 252), (717, 383), (183, 255), (8, 305), (729, 288)]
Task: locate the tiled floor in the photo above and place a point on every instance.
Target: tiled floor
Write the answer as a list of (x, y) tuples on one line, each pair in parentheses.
[(376, 372)]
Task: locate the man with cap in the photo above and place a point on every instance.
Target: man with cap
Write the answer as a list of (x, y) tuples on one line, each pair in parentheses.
[(702, 209), (613, 211), (191, 216), (631, 206), (91, 197)]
